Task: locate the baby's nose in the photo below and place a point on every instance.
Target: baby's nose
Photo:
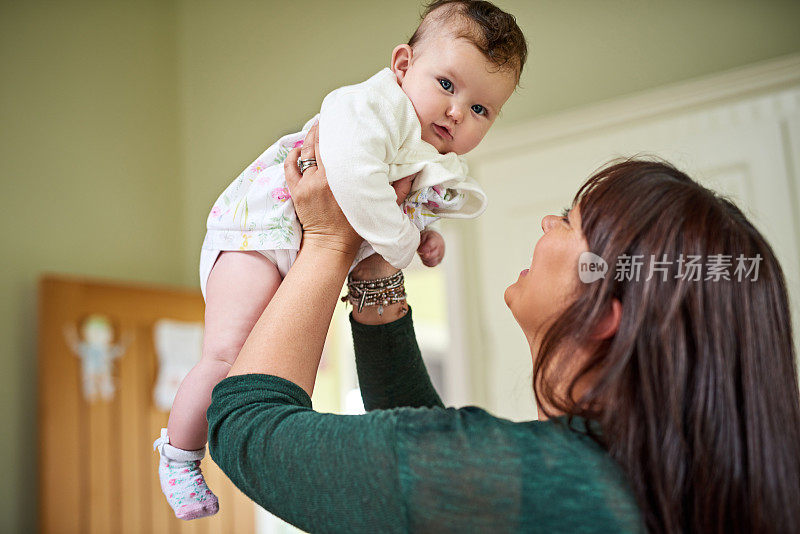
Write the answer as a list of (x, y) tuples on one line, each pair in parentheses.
[(455, 113), (547, 222)]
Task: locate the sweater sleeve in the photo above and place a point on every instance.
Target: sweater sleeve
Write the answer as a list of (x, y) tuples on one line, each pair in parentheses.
[(320, 472), (411, 469), (359, 134), (391, 372)]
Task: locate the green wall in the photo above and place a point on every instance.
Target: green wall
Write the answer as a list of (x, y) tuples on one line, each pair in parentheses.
[(88, 182), (120, 122), (253, 73)]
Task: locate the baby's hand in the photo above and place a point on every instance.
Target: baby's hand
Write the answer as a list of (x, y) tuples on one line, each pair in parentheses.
[(431, 248)]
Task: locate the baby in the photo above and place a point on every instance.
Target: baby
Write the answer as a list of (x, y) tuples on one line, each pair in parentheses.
[(438, 98)]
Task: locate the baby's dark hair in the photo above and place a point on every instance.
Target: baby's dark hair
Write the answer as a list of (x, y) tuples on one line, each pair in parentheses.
[(493, 31)]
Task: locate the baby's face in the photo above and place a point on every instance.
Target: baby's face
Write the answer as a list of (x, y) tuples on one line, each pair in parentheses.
[(456, 92)]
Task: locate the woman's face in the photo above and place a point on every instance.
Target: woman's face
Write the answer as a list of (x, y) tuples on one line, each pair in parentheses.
[(549, 285)]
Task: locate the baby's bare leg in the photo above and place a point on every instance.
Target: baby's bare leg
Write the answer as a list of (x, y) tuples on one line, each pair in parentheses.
[(238, 289)]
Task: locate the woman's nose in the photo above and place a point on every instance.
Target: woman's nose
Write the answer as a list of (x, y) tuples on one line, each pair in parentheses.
[(547, 222)]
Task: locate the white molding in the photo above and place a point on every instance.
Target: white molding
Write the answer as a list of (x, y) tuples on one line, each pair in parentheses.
[(459, 373), (768, 76)]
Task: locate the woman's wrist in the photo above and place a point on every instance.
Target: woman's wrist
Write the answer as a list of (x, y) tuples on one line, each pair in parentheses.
[(333, 245), (373, 268), (369, 314)]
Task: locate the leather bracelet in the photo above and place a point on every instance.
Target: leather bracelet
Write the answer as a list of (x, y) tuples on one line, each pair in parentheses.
[(380, 292)]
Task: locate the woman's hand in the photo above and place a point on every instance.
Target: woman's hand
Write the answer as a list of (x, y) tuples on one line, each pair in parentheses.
[(322, 220), (375, 266), (402, 187), (288, 338), (325, 226)]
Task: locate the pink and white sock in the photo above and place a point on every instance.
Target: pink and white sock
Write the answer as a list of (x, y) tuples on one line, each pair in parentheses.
[(182, 481)]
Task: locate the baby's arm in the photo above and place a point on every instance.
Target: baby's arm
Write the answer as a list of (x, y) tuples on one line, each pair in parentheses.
[(431, 248), (431, 244)]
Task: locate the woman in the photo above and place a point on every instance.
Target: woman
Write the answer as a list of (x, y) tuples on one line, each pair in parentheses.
[(674, 402)]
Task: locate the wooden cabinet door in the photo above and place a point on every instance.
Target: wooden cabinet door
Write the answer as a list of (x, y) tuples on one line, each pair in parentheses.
[(97, 467)]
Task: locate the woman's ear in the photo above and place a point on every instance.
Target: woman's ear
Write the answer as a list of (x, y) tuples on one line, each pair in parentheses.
[(401, 61), (609, 324)]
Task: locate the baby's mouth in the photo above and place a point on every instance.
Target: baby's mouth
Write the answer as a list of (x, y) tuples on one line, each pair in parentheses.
[(443, 132)]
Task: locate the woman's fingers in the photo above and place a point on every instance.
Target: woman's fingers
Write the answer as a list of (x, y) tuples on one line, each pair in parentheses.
[(308, 151), (402, 187), (317, 211), (315, 129), (305, 153), (291, 171)]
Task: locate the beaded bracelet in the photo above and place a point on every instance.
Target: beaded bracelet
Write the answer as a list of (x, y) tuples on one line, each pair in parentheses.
[(380, 292)]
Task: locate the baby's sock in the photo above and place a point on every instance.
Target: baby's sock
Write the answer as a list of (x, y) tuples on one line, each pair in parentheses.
[(182, 481)]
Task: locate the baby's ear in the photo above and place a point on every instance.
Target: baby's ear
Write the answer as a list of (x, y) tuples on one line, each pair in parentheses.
[(401, 61)]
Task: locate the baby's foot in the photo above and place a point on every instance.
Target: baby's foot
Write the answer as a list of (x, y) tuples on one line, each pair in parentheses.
[(182, 481), (186, 490)]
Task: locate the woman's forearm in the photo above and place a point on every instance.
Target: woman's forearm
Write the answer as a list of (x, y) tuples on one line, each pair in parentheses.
[(391, 372), (288, 338)]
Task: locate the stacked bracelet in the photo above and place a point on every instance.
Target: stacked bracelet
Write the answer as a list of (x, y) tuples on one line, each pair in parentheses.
[(380, 292)]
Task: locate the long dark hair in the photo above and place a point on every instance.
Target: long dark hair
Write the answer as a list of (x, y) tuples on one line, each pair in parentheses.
[(696, 395)]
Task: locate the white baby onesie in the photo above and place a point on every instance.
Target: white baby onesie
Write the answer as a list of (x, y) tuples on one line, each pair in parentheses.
[(370, 136)]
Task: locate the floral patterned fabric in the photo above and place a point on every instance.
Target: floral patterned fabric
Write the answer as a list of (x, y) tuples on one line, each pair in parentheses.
[(256, 212)]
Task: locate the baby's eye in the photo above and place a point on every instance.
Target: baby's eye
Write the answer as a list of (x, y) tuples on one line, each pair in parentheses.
[(446, 84), (480, 110)]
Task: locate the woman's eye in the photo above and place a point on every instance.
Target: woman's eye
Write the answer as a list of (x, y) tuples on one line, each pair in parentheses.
[(480, 110), (446, 84)]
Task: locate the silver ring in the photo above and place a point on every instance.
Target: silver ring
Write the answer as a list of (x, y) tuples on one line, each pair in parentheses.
[(304, 164)]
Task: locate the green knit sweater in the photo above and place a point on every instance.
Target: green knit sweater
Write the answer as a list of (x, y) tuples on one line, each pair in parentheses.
[(409, 464)]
